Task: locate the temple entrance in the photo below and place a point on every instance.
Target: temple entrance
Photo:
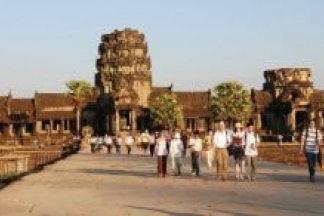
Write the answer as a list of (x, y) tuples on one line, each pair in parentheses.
[(125, 119), (301, 120)]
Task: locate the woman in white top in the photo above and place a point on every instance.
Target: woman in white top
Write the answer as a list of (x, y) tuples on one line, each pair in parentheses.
[(252, 141), (161, 151)]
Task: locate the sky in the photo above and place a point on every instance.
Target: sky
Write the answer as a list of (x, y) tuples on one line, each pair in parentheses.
[(193, 44)]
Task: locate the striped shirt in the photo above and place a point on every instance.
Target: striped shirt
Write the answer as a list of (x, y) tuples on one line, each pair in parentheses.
[(309, 138)]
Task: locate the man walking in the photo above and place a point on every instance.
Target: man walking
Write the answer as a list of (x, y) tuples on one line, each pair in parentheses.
[(221, 141), (196, 146), (310, 146)]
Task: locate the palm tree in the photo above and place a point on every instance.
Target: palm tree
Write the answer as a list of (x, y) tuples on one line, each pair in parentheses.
[(79, 90)]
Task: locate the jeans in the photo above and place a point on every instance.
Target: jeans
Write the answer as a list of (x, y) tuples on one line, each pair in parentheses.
[(195, 162), (311, 162)]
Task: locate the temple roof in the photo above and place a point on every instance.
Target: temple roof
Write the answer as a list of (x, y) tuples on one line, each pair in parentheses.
[(157, 91), (21, 105), (195, 104), (53, 100)]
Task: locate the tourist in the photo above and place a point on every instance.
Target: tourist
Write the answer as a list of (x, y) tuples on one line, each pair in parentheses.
[(162, 152), (195, 144), (221, 141), (176, 152), (118, 144), (209, 148), (153, 138), (93, 143), (145, 140), (238, 143), (184, 138), (310, 146), (129, 141), (108, 141), (138, 141), (252, 141)]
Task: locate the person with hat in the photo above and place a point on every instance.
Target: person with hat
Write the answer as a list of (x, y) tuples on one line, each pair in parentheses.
[(238, 144), (176, 152)]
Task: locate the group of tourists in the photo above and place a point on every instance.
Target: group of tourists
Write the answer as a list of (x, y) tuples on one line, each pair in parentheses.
[(218, 145), (240, 143), (109, 142)]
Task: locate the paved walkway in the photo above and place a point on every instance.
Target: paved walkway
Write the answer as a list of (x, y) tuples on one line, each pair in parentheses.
[(100, 184)]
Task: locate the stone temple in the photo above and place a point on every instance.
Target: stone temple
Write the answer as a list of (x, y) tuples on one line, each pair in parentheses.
[(123, 92)]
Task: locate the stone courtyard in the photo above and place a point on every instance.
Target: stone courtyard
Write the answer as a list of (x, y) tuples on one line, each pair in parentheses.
[(99, 184)]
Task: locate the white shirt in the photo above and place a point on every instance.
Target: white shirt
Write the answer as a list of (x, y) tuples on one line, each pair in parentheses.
[(145, 137), (221, 139), (108, 140), (161, 147), (176, 148), (129, 140), (196, 144), (251, 142)]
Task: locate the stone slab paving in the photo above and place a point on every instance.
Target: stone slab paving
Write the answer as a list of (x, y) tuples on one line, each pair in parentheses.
[(100, 184)]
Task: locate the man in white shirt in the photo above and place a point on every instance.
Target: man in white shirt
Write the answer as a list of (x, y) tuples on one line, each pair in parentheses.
[(196, 147), (176, 150), (221, 140)]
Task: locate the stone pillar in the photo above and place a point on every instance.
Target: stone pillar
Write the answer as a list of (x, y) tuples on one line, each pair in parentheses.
[(293, 119), (51, 126), (10, 131), (62, 126), (133, 116), (117, 122), (320, 119)]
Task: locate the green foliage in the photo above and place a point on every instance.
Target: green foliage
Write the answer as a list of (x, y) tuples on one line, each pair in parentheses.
[(231, 101), (166, 112), (79, 90)]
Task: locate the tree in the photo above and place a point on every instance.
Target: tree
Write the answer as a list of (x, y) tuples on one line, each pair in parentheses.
[(165, 112), (79, 90), (230, 101)]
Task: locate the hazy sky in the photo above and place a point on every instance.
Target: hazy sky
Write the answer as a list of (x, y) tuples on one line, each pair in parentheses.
[(194, 44)]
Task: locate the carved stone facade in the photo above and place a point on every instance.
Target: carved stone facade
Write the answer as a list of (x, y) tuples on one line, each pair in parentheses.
[(287, 101), (124, 73)]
